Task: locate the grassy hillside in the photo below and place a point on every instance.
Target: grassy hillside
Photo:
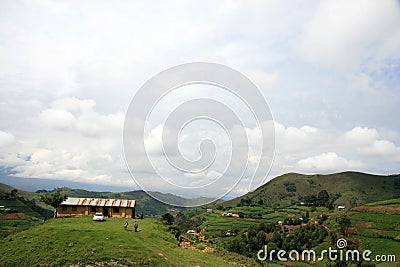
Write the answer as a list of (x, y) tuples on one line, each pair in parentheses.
[(80, 241), (23, 202), (355, 189), (4, 188), (21, 210), (375, 227)]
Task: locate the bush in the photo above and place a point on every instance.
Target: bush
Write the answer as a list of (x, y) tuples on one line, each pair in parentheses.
[(167, 218)]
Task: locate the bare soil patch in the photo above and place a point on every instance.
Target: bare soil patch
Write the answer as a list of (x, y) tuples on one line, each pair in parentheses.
[(363, 224)]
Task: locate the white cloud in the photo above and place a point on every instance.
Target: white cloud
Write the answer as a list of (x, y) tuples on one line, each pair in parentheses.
[(264, 81), (57, 119), (328, 162), (361, 135), (78, 115), (380, 148), (367, 142), (291, 139), (6, 139), (343, 34), (73, 104), (70, 69)]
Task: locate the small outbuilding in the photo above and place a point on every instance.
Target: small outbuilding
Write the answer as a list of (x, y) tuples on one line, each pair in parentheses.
[(341, 207), (115, 208)]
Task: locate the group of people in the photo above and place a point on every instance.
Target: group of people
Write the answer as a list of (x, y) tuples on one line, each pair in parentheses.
[(135, 225)]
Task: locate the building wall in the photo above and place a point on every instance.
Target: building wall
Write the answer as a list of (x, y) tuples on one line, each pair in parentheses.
[(72, 211), (91, 210)]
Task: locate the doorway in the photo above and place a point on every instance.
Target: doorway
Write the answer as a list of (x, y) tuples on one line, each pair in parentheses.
[(105, 212)]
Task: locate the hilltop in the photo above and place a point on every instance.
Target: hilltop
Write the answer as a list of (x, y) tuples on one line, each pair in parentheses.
[(80, 241), (352, 189)]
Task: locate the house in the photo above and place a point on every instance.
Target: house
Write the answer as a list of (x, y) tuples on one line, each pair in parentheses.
[(341, 207), (116, 208), (191, 232)]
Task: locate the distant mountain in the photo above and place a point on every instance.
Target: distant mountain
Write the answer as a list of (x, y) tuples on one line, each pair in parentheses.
[(355, 188), (34, 184)]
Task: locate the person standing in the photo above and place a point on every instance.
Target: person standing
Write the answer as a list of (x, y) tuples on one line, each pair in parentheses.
[(126, 224), (136, 225)]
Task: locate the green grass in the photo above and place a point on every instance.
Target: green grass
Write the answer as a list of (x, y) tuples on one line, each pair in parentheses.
[(387, 225), (355, 189), (215, 224), (379, 236), (20, 207), (385, 202), (8, 227), (381, 246), (376, 232), (80, 241), (247, 210)]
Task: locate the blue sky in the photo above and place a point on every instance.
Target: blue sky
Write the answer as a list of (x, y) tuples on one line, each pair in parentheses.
[(68, 70)]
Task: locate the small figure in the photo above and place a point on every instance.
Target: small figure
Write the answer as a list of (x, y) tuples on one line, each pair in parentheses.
[(44, 219), (126, 224), (136, 225), (141, 215)]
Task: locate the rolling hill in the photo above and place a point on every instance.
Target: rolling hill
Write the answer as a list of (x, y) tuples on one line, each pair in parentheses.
[(355, 188), (82, 242), (352, 189)]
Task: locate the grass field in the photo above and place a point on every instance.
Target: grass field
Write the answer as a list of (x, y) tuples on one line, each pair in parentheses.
[(8, 227), (82, 242), (385, 202)]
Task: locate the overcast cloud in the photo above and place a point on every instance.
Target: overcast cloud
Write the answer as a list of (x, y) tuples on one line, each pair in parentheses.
[(330, 71)]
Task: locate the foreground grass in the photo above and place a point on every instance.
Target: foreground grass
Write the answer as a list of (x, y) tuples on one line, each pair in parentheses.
[(82, 242), (8, 227)]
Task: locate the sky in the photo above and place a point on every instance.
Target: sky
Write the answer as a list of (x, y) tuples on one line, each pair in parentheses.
[(329, 70)]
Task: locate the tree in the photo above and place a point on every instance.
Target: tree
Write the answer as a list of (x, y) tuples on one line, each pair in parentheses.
[(14, 193), (220, 207), (167, 218), (260, 239), (175, 231), (344, 224), (323, 198), (54, 200)]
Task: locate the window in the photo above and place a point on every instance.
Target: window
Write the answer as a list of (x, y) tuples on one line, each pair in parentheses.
[(115, 210), (64, 208), (74, 208), (93, 209)]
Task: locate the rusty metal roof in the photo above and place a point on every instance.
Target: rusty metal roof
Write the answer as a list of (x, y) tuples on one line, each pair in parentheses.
[(99, 202)]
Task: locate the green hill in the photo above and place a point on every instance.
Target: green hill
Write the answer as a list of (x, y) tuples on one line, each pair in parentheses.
[(82, 242), (22, 202), (354, 188), (4, 189)]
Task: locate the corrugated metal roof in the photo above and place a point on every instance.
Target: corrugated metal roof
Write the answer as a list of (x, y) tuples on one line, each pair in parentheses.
[(99, 202)]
